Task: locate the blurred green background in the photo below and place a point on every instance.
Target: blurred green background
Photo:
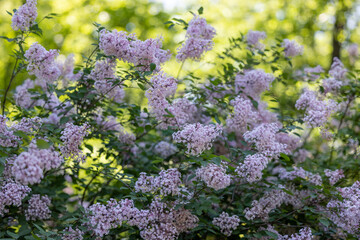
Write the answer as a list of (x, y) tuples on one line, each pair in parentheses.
[(324, 27)]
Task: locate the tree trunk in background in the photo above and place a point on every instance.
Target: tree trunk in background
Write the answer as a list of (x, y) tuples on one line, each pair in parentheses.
[(339, 25)]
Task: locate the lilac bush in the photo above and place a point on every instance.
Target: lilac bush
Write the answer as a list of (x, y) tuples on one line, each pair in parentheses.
[(224, 157)]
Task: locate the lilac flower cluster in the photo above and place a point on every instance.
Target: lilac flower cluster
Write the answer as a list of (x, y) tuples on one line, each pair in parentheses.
[(214, 176), (226, 223), (301, 173), (331, 85), (104, 75), (317, 110), (128, 48), (313, 73), (72, 137), (160, 221), (25, 16), (334, 176), (253, 39), (253, 82), (264, 138), (197, 137), (199, 37), (67, 70), (38, 208), (12, 193), (73, 234), (42, 62), (7, 136), (252, 167), (304, 234), (23, 97), (29, 167), (244, 115), (165, 149), (262, 207), (337, 69), (345, 213), (292, 48), (167, 183)]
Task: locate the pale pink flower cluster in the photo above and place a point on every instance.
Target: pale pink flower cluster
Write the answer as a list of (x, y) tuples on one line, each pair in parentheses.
[(214, 176), (165, 149), (182, 110), (337, 69), (317, 110), (262, 207), (252, 167), (304, 234), (25, 16), (313, 73), (23, 97), (253, 39), (12, 193), (104, 75), (301, 155), (7, 136), (290, 140), (334, 176), (67, 70), (167, 183), (226, 223), (108, 123), (199, 37), (244, 115), (42, 63), (72, 137), (292, 48), (128, 48), (197, 137), (331, 85), (300, 172), (125, 136), (253, 82), (160, 221), (345, 213), (73, 234), (38, 208), (264, 138), (29, 167)]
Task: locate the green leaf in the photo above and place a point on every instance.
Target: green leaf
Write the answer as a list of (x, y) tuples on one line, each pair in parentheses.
[(285, 157), (152, 66), (200, 10), (325, 222), (42, 144)]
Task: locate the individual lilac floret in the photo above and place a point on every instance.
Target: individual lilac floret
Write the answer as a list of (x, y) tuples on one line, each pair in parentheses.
[(252, 167), (214, 176), (337, 69), (197, 137), (42, 62), (72, 137), (12, 193), (165, 149), (334, 176), (253, 82), (317, 111), (38, 208), (199, 37), (226, 223), (292, 48), (264, 138), (25, 16), (253, 39), (244, 115), (128, 48)]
